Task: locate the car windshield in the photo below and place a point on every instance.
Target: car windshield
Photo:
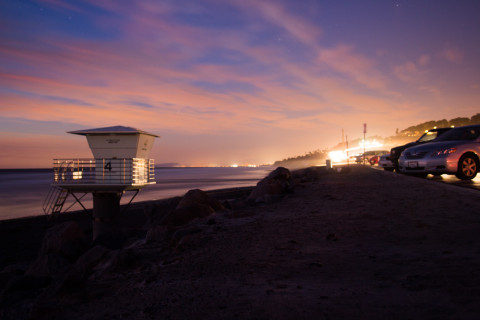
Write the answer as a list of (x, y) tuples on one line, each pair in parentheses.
[(470, 133), (428, 136)]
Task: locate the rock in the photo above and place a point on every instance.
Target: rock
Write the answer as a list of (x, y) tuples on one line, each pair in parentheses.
[(27, 283), (16, 297), (87, 262), (48, 265), (233, 204), (157, 233), (182, 236), (61, 246), (195, 204), (115, 262), (272, 187), (111, 237), (198, 197), (66, 240), (155, 211), (66, 291), (10, 272), (182, 216), (280, 173), (72, 283)]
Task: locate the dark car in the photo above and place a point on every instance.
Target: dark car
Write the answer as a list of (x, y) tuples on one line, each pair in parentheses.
[(428, 136)]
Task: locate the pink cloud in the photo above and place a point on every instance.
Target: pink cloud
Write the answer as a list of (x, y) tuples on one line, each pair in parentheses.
[(423, 59), (345, 60), (407, 72), (452, 54)]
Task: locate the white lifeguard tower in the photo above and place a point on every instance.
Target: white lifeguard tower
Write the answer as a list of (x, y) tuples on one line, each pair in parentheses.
[(120, 163)]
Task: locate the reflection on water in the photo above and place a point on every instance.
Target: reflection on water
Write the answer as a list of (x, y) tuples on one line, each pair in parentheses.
[(23, 191)]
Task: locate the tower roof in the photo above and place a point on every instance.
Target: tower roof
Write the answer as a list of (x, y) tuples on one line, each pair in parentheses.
[(114, 129)]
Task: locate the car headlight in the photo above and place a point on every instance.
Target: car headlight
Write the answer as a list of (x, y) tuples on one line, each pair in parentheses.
[(444, 152)]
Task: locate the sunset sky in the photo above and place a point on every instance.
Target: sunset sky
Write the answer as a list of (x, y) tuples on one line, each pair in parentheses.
[(233, 81)]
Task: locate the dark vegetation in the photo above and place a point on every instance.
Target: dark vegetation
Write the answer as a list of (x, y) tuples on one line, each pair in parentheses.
[(401, 136), (456, 122), (307, 160)]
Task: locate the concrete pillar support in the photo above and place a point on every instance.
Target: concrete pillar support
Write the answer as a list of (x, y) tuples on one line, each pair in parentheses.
[(106, 209)]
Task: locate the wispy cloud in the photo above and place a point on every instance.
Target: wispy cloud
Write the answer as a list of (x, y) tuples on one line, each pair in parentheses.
[(407, 72), (275, 13), (452, 54), (346, 61)]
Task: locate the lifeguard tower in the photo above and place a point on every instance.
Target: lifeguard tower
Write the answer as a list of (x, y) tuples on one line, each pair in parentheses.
[(120, 163)]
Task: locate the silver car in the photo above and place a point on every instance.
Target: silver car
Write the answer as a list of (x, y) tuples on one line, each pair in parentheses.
[(385, 162), (455, 152)]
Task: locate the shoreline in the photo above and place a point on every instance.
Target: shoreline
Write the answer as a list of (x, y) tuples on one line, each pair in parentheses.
[(24, 192), (216, 193)]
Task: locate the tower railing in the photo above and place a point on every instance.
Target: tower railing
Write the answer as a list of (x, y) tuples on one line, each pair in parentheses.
[(127, 171)]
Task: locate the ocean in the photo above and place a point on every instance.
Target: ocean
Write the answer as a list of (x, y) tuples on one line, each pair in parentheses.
[(23, 191)]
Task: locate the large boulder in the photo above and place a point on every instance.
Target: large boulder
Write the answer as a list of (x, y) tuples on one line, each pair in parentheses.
[(61, 246), (155, 211), (194, 204), (272, 187), (90, 259), (48, 265), (67, 240), (157, 233), (197, 197), (102, 263)]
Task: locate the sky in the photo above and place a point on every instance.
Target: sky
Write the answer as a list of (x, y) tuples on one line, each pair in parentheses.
[(232, 81)]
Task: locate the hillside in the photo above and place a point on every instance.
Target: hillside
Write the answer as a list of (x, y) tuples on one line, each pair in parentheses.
[(402, 136)]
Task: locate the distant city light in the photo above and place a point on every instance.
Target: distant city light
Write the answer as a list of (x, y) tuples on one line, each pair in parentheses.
[(243, 165), (337, 156)]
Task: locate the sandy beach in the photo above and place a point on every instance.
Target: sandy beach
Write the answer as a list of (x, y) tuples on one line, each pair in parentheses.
[(360, 244)]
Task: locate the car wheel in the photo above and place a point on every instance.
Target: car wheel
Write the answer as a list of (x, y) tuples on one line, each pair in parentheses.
[(467, 167)]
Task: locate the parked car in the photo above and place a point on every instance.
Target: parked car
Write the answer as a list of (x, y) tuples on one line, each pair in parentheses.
[(428, 136), (385, 162), (454, 152), (370, 156)]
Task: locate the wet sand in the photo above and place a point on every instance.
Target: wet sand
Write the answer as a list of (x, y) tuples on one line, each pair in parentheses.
[(366, 244)]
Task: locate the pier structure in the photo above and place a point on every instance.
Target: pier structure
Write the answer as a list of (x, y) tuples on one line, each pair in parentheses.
[(120, 163)]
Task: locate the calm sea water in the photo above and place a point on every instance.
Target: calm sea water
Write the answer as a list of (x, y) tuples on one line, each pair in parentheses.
[(23, 191)]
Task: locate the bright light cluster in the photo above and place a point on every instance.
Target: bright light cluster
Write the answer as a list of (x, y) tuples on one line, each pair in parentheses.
[(337, 156), (342, 155)]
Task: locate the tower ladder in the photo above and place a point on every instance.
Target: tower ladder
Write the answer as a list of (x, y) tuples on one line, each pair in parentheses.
[(55, 200)]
